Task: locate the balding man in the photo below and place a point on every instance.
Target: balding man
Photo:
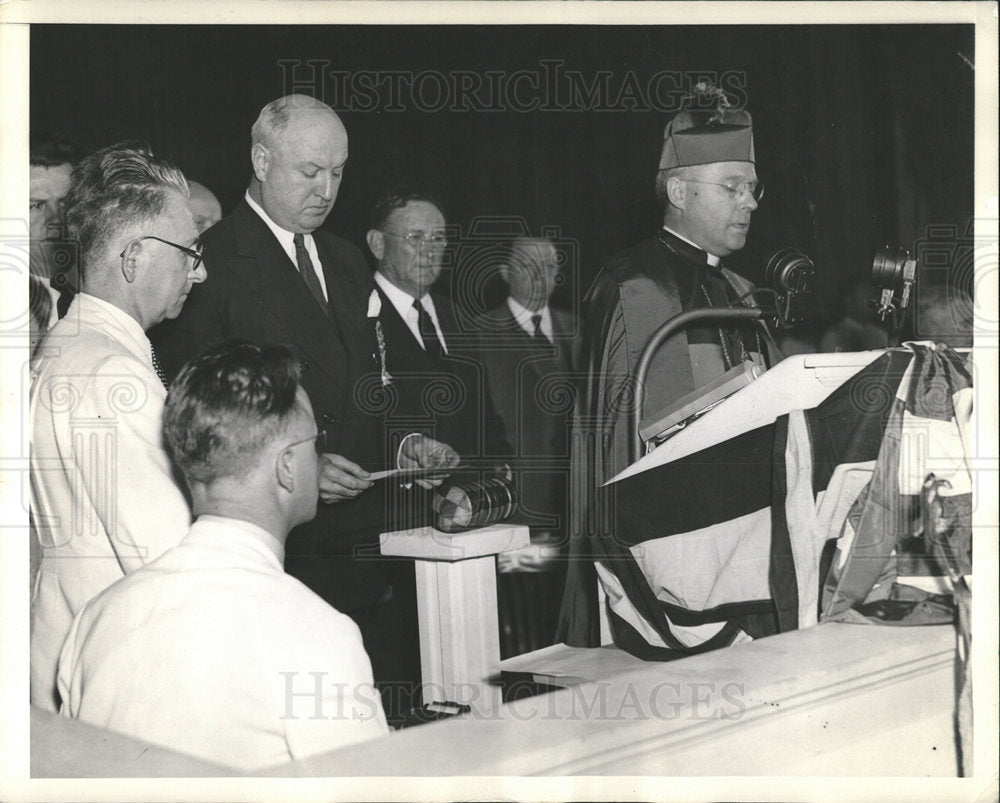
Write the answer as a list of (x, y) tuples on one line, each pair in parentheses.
[(274, 277), (527, 350), (205, 207), (103, 498)]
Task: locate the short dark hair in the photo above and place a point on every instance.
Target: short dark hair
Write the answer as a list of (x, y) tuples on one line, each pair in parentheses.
[(51, 149), (396, 198), (226, 405), (114, 188)]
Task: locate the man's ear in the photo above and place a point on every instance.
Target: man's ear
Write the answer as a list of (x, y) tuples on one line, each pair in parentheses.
[(284, 470), (260, 158), (676, 191), (130, 260), (376, 242)]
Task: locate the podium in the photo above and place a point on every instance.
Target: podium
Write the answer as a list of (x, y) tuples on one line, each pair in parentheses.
[(796, 383), (457, 609)]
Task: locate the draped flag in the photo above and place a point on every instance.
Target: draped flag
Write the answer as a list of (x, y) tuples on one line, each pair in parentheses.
[(740, 539)]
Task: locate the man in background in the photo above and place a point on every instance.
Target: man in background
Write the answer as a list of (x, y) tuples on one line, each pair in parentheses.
[(436, 381), (205, 207), (213, 650), (527, 349), (103, 498), (51, 258), (434, 361)]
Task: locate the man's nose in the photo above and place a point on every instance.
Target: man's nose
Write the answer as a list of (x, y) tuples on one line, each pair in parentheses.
[(325, 186), (199, 274)]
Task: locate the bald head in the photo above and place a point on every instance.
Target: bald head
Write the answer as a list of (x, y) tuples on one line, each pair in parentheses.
[(204, 205), (298, 151), (531, 271)]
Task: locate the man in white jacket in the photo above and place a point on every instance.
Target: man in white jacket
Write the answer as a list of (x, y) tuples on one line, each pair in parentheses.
[(103, 497), (212, 649)]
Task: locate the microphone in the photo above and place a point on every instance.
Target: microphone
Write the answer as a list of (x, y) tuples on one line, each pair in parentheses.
[(790, 274)]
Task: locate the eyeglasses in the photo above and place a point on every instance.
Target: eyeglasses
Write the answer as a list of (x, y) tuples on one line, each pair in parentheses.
[(319, 441), (736, 188), (195, 254), (419, 238)]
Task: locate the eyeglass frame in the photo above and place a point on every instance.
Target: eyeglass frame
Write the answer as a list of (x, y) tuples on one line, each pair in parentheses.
[(418, 238), (320, 449), (197, 254), (736, 189)]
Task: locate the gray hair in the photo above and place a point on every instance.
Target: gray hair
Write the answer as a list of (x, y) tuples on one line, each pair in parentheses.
[(117, 188), (273, 119)]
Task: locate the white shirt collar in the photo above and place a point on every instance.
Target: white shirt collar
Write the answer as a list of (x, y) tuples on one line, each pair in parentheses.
[(286, 240), (713, 260), (403, 304), (523, 316), (259, 534), (106, 315)]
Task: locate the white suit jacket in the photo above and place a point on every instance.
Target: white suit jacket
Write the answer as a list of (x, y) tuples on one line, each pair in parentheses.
[(103, 500), (212, 650)]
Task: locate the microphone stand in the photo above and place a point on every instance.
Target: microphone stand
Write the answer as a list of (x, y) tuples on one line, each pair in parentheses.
[(666, 329)]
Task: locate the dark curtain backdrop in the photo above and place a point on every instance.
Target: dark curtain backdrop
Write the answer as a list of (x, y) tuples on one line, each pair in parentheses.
[(864, 134)]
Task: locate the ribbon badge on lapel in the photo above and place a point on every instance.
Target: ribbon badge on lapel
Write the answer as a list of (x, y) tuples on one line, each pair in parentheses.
[(374, 309)]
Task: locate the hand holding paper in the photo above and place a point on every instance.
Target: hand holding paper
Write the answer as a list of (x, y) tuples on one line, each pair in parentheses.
[(341, 479), (419, 451)]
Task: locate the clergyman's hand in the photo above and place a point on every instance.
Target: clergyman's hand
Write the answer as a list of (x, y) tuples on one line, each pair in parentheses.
[(419, 451), (341, 479)]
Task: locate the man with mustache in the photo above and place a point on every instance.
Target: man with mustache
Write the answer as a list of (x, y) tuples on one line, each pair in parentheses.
[(707, 186)]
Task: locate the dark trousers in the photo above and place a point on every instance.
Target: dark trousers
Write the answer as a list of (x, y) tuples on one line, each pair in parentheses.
[(389, 628)]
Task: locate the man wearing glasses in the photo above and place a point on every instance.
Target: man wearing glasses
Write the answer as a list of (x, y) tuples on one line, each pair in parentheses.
[(212, 649), (438, 385), (275, 277), (433, 360), (103, 499), (708, 189)]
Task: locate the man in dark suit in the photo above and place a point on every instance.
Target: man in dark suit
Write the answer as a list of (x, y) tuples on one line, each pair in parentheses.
[(274, 277), (527, 348), (528, 352), (434, 360)]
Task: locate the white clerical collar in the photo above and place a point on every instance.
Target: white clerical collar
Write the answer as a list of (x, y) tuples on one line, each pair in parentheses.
[(713, 260), (523, 316)]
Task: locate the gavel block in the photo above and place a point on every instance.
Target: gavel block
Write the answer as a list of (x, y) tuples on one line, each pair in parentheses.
[(457, 608)]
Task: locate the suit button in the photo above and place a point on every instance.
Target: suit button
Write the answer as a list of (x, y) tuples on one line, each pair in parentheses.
[(328, 418), (305, 365)]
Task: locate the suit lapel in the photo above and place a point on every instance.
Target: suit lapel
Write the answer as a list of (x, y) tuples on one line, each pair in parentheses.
[(266, 268), (400, 338)]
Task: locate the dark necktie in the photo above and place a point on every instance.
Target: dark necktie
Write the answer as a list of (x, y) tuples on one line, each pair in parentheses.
[(308, 271), (536, 324), (158, 368), (427, 331)]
